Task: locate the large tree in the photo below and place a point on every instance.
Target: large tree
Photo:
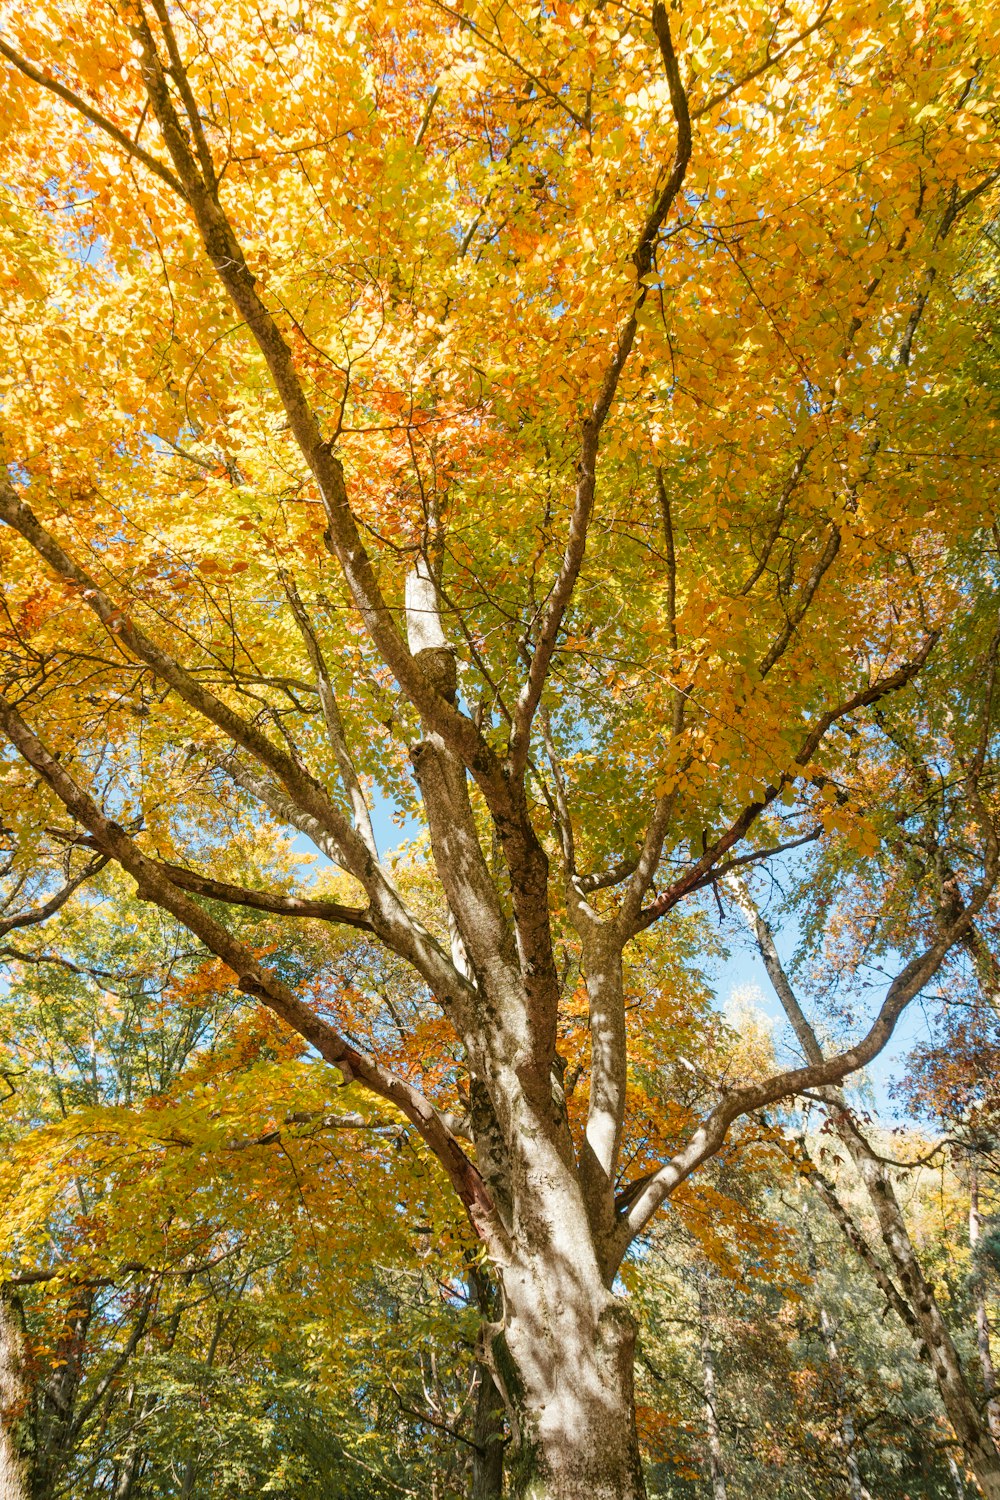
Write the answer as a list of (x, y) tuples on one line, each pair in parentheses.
[(569, 405)]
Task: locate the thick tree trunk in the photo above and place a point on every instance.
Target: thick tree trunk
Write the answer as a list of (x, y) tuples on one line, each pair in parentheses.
[(565, 1362)]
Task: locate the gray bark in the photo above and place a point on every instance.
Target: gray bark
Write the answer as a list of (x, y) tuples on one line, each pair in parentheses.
[(979, 1298), (716, 1469), (13, 1395), (946, 1366), (565, 1361)]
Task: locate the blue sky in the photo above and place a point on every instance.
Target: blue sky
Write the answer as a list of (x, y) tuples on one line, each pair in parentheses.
[(743, 978)]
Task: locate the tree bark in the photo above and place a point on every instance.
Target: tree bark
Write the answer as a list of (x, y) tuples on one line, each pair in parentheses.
[(716, 1470), (487, 1457), (13, 1394), (847, 1434), (565, 1364), (979, 1298), (544, 1207)]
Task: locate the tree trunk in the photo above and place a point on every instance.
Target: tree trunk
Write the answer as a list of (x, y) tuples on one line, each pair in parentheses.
[(972, 1432), (716, 1470), (12, 1398), (487, 1458), (847, 1435), (565, 1364), (979, 1297)]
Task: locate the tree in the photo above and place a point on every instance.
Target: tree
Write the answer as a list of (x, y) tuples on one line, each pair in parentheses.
[(197, 1284), (568, 405), (792, 1415)]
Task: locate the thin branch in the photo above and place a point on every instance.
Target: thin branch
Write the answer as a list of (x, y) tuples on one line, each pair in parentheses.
[(253, 979), (52, 905), (711, 1134), (586, 489), (332, 717), (769, 62), (694, 878), (94, 116)]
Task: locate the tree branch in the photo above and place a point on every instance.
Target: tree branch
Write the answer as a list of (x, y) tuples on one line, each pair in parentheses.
[(695, 877), (711, 1134), (94, 116), (586, 489), (253, 979), (52, 905)]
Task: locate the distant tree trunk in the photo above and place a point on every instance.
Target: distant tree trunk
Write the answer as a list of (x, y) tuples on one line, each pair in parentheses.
[(191, 1466), (848, 1438), (914, 1299), (979, 1297), (487, 1458), (845, 1417), (974, 1435), (57, 1397), (13, 1395), (127, 1472), (715, 1466)]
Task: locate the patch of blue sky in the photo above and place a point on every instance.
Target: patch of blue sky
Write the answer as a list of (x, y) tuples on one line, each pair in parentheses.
[(741, 984)]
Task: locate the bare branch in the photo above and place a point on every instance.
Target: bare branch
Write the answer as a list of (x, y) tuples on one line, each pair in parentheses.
[(272, 901)]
